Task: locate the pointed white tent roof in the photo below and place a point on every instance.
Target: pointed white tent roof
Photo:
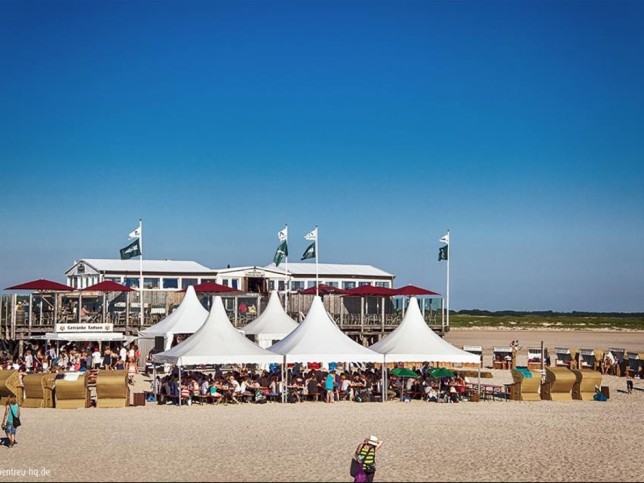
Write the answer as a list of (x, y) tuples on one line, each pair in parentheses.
[(414, 341), (217, 342), (185, 319), (319, 339), (273, 323)]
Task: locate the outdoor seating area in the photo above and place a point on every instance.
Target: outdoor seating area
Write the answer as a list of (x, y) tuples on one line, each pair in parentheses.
[(9, 385), (38, 390), (527, 384), (560, 381), (586, 384), (112, 389)]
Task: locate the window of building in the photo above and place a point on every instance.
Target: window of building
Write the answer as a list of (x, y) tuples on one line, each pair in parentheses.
[(362, 284), (114, 279), (151, 283), (170, 283), (281, 285), (333, 284), (186, 282), (382, 284), (311, 283), (235, 283), (271, 285), (297, 286), (348, 285), (131, 282)]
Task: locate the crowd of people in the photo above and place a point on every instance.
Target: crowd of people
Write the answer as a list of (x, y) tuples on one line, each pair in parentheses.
[(360, 384), (72, 357)]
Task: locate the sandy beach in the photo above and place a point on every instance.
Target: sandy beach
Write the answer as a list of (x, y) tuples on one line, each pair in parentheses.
[(490, 441)]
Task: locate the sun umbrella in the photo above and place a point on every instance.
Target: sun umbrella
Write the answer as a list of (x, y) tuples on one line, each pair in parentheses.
[(439, 372), (42, 286), (212, 287), (403, 372), (322, 289), (410, 290)]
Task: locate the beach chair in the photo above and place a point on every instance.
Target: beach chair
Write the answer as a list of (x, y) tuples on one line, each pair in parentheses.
[(584, 387), (9, 386), (112, 389), (561, 380), (527, 384), (72, 391), (38, 390)]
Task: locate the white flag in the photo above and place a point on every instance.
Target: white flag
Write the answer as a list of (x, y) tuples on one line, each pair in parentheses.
[(445, 239), (312, 235), (283, 235), (136, 233)]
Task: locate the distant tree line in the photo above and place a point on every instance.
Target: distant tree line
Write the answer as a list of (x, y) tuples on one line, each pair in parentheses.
[(545, 313)]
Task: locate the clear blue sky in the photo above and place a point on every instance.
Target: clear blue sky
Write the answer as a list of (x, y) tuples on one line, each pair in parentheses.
[(517, 125)]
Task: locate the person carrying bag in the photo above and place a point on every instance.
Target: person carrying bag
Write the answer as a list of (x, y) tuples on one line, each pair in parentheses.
[(363, 463), (11, 419)]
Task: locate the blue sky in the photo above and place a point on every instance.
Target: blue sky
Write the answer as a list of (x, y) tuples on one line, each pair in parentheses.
[(519, 126)]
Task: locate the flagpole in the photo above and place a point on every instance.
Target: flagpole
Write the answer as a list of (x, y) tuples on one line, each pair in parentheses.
[(141, 271), (287, 281), (449, 255), (317, 271)]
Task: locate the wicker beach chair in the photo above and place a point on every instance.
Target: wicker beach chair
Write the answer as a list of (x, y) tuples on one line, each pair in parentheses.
[(112, 389), (584, 387), (72, 391), (38, 390), (528, 384), (561, 380), (9, 386)]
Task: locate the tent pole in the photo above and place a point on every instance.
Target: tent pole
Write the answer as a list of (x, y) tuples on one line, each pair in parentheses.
[(383, 392), (30, 302), (179, 367)]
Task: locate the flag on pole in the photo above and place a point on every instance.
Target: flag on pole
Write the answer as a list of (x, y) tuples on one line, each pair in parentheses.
[(136, 233), (283, 235), (309, 252), (445, 239), (312, 235), (442, 253), (280, 253), (132, 250)]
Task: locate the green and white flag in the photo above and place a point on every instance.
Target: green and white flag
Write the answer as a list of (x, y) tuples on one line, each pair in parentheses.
[(132, 250), (442, 253), (309, 252), (280, 253)]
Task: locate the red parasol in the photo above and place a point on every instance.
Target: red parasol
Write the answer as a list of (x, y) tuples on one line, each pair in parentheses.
[(108, 286), (322, 289), (370, 291), (212, 287), (410, 290), (42, 285)]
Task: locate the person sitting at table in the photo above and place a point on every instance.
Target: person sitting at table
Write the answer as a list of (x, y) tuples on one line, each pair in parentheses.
[(236, 389), (430, 394), (345, 387), (312, 387), (214, 391)]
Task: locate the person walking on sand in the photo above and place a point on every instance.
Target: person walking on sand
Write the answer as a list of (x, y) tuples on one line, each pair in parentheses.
[(10, 419), (366, 455)]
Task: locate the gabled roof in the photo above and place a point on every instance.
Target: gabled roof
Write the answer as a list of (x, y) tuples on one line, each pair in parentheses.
[(414, 341), (327, 269), (319, 339), (167, 266), (185, 319), (217, 342), (273, 323)]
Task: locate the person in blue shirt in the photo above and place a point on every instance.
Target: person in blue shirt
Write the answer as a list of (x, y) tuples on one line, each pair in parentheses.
[(329, 384), (11, 412)]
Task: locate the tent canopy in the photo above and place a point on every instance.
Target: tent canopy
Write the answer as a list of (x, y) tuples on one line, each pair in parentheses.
[(273, 323), (185, 319), (212, 287), (410, 290), (414, 341), (42, 285), (216, 342), (319, 339)]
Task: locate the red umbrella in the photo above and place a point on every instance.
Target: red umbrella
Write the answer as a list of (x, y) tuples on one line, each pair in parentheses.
[(108, 286), (371, 291), (323, 289), (42, 285), (410, 290), (212, 287)]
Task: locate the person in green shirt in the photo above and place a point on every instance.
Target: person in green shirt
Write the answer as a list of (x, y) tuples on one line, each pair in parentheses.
[(366, 454), (11, 412)]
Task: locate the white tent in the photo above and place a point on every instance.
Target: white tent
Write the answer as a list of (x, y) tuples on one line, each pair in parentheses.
[(319, 339), (216, 342), (272, 325), (185, 319), (414, 341)]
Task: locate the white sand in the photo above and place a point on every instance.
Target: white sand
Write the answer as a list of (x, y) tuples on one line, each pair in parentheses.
[(491, 441)]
